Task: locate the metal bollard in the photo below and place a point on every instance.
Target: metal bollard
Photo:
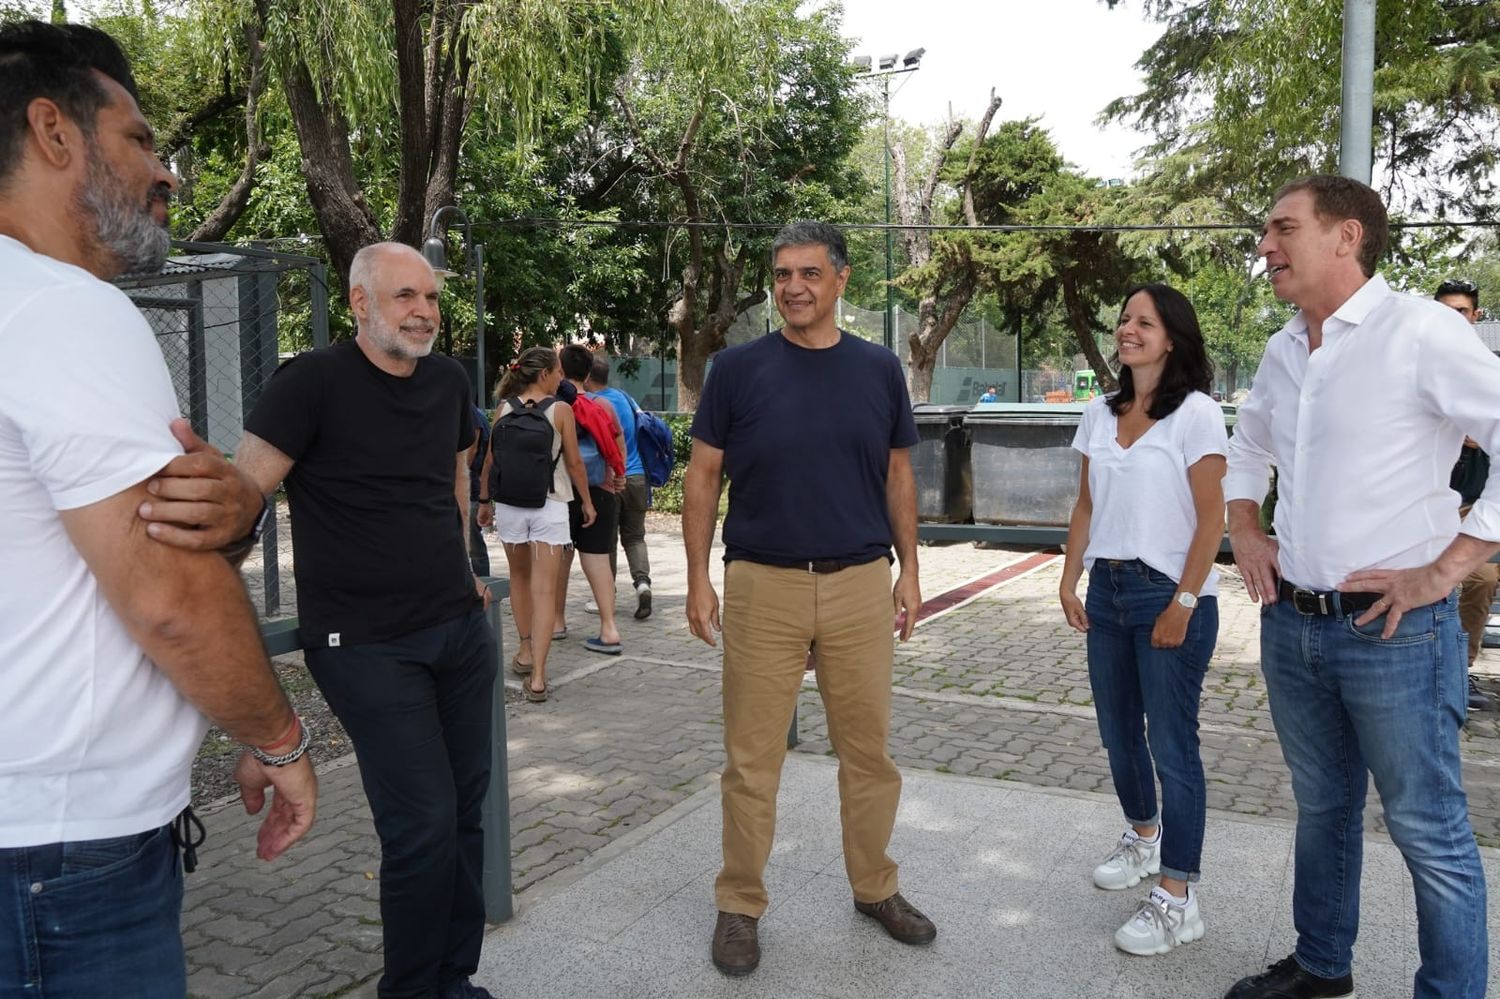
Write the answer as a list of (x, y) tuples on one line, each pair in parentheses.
[(499, 906)]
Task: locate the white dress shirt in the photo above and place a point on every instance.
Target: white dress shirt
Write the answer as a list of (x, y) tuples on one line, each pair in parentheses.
[(1363, 431)]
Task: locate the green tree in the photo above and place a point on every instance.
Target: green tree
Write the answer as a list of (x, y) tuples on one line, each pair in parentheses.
[(761, 136), (1242, 95)]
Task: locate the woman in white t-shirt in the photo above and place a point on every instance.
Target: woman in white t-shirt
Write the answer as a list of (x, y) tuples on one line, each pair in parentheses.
[(1147, 524)]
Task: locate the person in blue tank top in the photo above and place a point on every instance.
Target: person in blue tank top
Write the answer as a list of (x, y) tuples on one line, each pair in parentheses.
[(813, 428)]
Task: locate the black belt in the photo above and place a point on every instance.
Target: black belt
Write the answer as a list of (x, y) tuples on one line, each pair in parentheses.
[(826, 565), (1326, 602)]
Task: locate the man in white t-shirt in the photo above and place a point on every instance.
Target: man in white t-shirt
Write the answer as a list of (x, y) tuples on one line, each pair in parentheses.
[(1360, 403), (113, 646)]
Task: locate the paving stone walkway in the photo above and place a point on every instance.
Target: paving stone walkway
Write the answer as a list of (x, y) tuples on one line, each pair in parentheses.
[(994, 688)]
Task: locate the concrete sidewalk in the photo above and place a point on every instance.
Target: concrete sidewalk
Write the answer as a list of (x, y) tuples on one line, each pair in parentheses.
[(994, 689), (1002, 868)]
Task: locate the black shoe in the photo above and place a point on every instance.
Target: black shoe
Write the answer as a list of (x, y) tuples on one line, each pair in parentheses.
[(1478, 699), (1286, 979), (643, 601), (465, 989)]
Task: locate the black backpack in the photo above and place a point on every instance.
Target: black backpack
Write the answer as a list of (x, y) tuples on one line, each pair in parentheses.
[(521, 472)]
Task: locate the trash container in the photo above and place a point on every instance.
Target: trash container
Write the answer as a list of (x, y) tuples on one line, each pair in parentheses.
[(1025, 471), (940, 464)]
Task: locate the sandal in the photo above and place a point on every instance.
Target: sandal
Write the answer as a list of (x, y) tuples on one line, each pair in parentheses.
[(532, 694), (516, 666), (560, 634)]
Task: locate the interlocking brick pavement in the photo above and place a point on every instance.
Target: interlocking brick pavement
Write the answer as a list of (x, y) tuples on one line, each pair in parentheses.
[(994, 688)]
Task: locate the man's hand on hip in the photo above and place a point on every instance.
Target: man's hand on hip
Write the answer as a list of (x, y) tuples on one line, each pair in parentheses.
[(907, 597), (294, 802), (1400, 590), (703, 611), (200, 501)]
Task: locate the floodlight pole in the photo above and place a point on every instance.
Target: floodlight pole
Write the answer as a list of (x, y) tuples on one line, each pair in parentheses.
[(890, 245), (475, 254), (1356, 115)]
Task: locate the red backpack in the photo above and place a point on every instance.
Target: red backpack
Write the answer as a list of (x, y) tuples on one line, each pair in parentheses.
[(598, 421)]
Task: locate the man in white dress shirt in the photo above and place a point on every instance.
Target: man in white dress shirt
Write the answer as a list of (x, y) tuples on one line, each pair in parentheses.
[(1360, 403)]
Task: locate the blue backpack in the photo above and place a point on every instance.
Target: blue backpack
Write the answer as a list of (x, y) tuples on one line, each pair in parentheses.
[(653, 442)]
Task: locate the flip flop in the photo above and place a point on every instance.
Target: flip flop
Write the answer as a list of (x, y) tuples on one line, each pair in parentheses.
[(533, 695), (605, 648), (560, 634), (516, 666)]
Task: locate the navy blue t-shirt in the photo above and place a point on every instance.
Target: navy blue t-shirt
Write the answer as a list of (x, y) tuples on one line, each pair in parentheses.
[(807, 438)]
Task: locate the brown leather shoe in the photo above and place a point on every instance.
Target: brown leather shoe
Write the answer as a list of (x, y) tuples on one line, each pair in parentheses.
[(901, 919), (736, 944)]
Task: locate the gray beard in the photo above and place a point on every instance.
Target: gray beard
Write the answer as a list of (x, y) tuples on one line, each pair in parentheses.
[(121, 228)]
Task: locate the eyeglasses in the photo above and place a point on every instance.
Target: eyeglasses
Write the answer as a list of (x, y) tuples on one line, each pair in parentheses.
[(1458, 288)]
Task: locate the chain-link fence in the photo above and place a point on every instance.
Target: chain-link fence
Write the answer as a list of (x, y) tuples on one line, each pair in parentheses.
[(224, 316)]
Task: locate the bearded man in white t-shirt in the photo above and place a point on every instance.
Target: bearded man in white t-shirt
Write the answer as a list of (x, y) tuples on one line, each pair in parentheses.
[(113, 646)]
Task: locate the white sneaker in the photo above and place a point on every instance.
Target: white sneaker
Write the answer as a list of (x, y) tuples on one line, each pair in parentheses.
[(591, 607), (1132, 860), (1160, 924)]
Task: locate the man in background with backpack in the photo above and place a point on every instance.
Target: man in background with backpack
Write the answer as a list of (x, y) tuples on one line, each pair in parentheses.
[(595, 542), (1478, 590), (636, 496)]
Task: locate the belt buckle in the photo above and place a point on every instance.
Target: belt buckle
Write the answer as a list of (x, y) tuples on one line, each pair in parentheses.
[(810, 569), (1309, 602)]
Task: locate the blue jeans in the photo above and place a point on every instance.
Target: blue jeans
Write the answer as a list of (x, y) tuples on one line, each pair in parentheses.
[(92, 918), (1146, 700), (1345, 701)]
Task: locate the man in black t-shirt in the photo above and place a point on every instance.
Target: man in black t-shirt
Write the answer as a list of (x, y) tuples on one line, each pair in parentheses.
[(813, 428), (373, 438)]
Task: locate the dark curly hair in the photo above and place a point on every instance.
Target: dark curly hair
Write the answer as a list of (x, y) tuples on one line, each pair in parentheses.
[(1187, 367)]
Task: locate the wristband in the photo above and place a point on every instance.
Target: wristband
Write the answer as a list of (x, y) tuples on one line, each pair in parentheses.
[(290, 735), (285, 758), (240, 548)]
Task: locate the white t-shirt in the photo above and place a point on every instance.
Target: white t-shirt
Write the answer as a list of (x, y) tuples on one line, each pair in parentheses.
[(1143, 505), (94, 740)]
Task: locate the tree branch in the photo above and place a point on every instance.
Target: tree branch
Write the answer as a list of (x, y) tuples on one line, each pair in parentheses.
[(979, 136), (237, 198)]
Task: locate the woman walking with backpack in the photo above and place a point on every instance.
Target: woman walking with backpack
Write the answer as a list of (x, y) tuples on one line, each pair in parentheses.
[(530, 475)]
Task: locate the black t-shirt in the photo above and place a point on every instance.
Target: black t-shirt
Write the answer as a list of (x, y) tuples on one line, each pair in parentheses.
[(807, 438), (376, 527)]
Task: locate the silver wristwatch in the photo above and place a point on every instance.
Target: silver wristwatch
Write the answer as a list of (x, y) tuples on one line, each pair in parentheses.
[(1188, 600), (285, 758)]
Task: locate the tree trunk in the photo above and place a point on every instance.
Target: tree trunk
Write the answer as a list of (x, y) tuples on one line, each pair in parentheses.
[(237, 198), (1083, 330), (323, 136)]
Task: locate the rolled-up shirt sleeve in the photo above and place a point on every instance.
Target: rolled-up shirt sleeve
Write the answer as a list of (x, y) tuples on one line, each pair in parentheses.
[(1250, 456)]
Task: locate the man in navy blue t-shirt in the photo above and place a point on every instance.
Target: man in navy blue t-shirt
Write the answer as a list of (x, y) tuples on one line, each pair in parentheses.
[(812, 427)]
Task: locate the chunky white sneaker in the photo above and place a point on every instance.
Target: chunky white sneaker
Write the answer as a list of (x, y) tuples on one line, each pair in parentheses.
[(1160, 924), (1132, 860), (591, 607)]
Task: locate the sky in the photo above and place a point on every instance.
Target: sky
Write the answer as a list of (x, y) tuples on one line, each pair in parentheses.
[(1061, 59)]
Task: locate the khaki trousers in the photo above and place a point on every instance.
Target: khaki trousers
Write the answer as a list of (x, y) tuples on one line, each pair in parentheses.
[(1474, 600), (771, 617)]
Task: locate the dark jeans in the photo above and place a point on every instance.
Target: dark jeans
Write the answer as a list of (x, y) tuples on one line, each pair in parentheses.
[(418, 711), (92, 918), (1347, 703), (1146, 700), (479, 555)]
